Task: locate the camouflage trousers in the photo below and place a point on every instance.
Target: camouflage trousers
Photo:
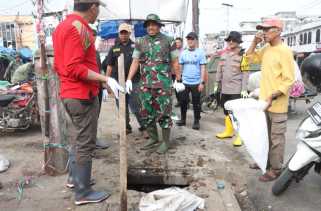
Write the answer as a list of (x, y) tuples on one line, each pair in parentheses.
[(156, 107)]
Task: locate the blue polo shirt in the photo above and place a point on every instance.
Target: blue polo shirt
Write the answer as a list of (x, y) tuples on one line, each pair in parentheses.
[(192, 61)]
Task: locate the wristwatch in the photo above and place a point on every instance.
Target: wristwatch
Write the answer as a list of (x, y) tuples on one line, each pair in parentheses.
[(203, 82)]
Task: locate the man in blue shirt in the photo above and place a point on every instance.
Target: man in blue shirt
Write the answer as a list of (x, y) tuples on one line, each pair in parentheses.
[(193, 66)]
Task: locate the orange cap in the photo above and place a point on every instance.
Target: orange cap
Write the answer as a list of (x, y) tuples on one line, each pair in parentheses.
[(270, 22)]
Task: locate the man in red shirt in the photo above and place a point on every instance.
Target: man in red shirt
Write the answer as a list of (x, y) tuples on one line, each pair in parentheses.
[(78, 72)]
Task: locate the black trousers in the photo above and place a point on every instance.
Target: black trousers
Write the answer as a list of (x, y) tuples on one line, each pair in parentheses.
[(227, 97), (196, 100)]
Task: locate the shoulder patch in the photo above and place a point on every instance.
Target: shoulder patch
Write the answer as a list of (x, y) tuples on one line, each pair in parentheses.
[(78, 25), (83, 33)]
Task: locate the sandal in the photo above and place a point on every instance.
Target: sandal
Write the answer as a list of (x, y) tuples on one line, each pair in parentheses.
[(270, 176), (254, 166)]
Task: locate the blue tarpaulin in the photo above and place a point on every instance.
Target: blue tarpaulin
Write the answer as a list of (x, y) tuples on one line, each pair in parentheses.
[(109, 29), (26, 54), (140, 30), (7, 51)]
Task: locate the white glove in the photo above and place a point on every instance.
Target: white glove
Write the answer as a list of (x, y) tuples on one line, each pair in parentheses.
[(114, 86), (255, 93), (215, 90), (129, 86), (178, 86), (105, 95), (244, 94)]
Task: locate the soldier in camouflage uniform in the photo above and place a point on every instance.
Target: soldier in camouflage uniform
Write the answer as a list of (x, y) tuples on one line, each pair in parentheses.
[(156, 53)]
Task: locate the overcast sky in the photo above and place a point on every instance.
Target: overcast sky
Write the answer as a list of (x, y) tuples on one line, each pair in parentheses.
[(213, 16)]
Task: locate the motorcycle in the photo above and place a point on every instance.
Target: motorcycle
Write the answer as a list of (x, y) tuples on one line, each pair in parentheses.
[(18, 108), (308, 153)]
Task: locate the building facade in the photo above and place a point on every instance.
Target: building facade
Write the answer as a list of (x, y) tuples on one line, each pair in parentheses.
[(17, 31)]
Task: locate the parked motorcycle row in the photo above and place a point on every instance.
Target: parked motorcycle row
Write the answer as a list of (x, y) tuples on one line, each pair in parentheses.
[(18, 95)]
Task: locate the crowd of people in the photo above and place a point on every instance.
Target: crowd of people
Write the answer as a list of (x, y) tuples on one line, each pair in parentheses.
[(154, 65)]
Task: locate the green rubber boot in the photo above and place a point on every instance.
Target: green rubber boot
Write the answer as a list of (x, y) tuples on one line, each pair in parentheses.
[(153, 137), (163, 148)]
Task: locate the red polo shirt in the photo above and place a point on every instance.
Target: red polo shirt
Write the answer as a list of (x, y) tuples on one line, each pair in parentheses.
[(75, 54)]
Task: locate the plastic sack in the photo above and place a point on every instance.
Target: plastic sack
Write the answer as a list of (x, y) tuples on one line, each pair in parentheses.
[(4, 85), (4, 164), (171, 199), (254, 81), (297, 88), (247, 114)]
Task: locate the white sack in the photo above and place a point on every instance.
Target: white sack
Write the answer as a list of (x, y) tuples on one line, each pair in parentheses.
[(254, 81), (4, 164), (171, 199), (249, 120)]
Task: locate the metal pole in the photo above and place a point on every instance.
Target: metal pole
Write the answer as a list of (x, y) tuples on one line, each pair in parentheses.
[(195, 9), (123, 137), (228, 6)]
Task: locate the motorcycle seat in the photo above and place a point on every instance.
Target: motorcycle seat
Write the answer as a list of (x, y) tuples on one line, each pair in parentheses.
[(5, 100)]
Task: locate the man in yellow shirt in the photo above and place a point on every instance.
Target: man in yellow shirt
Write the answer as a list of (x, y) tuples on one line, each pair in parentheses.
[(277, 77)]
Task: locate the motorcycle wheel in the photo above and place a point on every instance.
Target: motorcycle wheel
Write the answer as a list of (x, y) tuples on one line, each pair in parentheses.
[(283, 182)]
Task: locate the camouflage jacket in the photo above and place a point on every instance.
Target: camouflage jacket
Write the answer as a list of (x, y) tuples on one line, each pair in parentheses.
[(155, 55)]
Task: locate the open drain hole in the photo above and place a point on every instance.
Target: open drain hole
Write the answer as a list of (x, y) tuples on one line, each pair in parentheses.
[(151, 188), (149, 180)]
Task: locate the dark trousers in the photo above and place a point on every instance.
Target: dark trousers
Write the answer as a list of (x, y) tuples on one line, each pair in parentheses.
[(227, 97), (82, 127), (133, 102), (196, 100), (127, 110), (100, 99)]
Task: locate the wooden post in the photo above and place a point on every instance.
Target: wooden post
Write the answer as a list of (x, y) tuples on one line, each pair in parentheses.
[(55, 155), (123, 138), (44, 74), (52, 116)]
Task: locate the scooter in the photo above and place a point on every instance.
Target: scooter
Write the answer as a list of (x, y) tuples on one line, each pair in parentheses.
[(308, 153)]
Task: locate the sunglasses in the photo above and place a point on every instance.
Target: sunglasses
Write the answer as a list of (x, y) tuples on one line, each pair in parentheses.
[(232, 40), (190, 38), (270, 29)]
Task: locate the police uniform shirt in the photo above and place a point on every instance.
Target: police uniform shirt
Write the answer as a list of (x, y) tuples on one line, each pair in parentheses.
[(112, 59)]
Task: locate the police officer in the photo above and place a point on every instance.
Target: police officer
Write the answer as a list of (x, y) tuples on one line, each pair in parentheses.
[(126, 46), (155, 52), (232, 80)]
